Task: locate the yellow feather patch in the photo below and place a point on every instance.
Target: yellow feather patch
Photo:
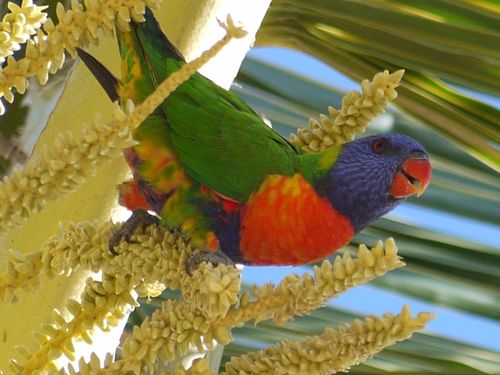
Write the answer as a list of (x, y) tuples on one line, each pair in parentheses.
[(130, 69), (293, 186), (271, 181), (329, 157), (272, 196), (160, 167)]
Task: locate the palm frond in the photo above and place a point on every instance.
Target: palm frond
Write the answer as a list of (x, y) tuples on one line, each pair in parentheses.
[(437, 43)]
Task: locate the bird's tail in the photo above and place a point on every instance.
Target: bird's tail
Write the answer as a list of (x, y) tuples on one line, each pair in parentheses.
[(148, 57), (107, 80), (145, 52)]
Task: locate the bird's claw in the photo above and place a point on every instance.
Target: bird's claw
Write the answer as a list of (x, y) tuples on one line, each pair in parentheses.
[(139, 218), (215, 258)]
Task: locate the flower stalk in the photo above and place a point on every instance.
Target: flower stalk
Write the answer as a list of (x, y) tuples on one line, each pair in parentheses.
[(77, 27), (335, 350), (357, 110), (18, 26), (154, 259)]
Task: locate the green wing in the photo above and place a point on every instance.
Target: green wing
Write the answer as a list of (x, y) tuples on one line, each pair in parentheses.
[(229, 150), (220, 141)]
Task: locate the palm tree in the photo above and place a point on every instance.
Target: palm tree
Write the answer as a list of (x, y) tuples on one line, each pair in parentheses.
[(450, 53), (449, 50)]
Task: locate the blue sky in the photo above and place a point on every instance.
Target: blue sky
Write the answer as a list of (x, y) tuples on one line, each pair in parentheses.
[(368, 299)]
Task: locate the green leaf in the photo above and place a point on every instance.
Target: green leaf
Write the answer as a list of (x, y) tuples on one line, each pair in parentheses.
[(423, 353), (288, 100), (362, 38)]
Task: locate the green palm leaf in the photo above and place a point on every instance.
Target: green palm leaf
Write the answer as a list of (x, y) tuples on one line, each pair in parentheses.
[(423, 353), (434, 41)]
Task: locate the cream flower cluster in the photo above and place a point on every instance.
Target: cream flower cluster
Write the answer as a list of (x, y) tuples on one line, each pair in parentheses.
[(61, 168), (155, 258), (357, 110), (168, 334), (77, 27), (65, 165), (99, 307), (18, 25), (335, 350), (22, 274), (177, 326), (93, 367), (216, 289), (296, 295)]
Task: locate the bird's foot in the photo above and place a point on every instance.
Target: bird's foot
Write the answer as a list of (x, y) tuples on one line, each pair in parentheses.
[(213, 257), (138, 218)]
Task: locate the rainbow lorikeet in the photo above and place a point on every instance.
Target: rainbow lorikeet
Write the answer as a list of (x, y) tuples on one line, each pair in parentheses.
[(206, 163)]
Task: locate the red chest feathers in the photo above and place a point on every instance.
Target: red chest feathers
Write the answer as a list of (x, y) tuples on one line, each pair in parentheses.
[(287, 223)]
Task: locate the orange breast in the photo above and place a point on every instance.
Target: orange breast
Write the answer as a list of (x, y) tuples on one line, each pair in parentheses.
[(287, 223)]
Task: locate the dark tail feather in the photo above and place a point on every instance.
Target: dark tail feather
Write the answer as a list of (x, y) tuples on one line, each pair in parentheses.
[(107, 80)]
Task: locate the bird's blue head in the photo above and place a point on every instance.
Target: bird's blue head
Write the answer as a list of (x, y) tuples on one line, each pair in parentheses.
[(372, 175)]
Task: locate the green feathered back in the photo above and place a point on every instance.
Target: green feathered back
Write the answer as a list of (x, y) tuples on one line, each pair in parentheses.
[(220, 141)]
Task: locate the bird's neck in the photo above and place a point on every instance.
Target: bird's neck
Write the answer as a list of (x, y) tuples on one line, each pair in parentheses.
[(357, 189), (314, 166)]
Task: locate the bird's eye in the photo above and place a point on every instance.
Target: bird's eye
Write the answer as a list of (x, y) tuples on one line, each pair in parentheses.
[(380, 145)]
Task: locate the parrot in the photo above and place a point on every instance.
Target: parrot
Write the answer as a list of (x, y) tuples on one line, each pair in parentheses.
[(206, 164)]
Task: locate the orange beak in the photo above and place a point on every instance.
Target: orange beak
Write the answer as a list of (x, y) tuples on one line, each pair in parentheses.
[(412, 178)]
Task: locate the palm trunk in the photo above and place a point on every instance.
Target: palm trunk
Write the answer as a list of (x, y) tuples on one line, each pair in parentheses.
[(192, 26)]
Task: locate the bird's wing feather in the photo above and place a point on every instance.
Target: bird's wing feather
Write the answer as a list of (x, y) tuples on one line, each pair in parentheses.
[(220, 141)]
